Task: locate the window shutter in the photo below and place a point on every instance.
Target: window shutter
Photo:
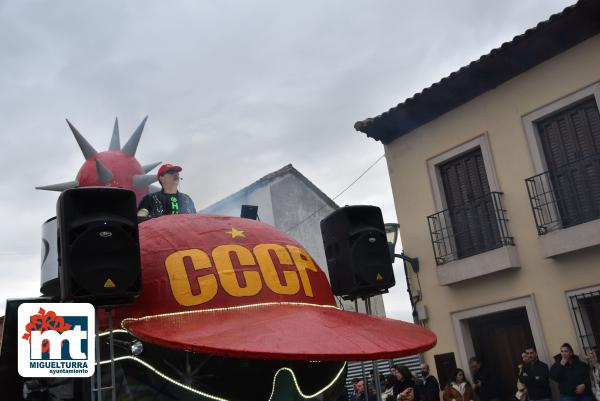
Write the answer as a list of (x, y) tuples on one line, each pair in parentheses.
[(571, 144), (470, 204)]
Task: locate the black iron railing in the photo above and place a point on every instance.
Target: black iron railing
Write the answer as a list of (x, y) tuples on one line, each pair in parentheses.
[(566, 196), (469, 229), (586, 310)]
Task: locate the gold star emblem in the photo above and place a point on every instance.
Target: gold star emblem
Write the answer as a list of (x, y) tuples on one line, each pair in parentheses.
[(236, 233)]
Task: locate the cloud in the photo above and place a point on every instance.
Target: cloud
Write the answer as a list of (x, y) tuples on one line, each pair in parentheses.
[(22, 273), (234, 90)]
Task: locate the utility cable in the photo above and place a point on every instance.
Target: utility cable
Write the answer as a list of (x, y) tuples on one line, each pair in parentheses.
[(338, 195)]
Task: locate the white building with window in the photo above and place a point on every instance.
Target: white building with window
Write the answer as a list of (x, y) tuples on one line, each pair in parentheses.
[(502, 159)]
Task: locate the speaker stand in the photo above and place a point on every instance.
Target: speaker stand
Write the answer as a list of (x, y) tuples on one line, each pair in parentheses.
[(96, 385), (375, 365)]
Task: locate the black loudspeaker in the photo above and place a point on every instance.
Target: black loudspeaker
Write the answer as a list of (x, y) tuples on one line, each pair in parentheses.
[(357, 252), (99, 260), (249, 212)]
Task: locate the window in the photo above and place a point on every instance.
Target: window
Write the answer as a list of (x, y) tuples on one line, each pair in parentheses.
[(571, 145), (585, 307), (470, 204), (469, 232), (564, 141)]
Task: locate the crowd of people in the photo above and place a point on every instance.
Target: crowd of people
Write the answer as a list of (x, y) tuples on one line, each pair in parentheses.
[(399, 384), (577, 379)]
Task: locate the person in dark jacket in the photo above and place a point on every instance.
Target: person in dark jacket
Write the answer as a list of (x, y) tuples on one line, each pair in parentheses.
[(535, 375), (359, 394), (572, 376), (169, 200), (485, 382), (430, 388), (405, 380), (388, 384)]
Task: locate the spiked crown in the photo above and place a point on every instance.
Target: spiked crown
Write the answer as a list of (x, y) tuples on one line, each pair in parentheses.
[(116, 167)]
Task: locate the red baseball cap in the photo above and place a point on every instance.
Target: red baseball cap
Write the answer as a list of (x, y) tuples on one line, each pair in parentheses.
[(167, 167), (240, 288)]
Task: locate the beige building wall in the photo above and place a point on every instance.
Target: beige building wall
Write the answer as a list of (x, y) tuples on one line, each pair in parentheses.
[(496, 114)]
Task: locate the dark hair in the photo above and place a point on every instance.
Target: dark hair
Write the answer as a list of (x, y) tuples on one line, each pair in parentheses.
[(457, 371), (474, 359), (531, 346), (405, 372), (355, 380), (390, 380), (568, 346)]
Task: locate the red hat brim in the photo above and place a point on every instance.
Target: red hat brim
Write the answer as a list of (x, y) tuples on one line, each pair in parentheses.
[(284, 332)]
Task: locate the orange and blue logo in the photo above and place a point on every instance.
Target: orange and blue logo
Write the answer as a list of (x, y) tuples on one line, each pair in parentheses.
[(56, 340)]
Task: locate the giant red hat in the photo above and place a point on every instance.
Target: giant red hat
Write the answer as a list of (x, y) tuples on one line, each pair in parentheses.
[(240, 288)]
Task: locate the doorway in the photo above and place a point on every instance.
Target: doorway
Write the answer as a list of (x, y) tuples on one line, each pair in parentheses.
[(498, 340)]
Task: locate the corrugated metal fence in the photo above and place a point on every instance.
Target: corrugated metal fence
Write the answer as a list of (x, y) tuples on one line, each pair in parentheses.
[(355, 369)]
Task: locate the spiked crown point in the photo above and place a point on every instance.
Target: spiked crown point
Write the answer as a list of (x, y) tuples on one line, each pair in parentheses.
[(148, 167), (115, 142), (87, 149), (131, 146), (104, 173), (63, 186)]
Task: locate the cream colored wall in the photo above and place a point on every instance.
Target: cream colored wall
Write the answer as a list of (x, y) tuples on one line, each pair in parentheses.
[(497, 112)]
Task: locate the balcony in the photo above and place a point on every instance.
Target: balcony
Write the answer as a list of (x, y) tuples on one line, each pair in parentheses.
[(565, 202), (472, 239), (470, 229)]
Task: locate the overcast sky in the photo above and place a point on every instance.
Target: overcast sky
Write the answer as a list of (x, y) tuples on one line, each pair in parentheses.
[(234, 90)]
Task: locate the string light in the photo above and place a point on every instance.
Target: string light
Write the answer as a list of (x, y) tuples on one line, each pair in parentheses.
[(128, 320), (217, 398), (105, 333), (337, 376)]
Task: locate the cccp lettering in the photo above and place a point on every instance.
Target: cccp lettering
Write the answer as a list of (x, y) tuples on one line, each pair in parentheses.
[(244, 283)]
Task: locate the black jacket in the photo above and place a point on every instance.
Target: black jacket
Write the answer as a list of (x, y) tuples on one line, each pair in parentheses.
[(535, 377), (571, 375), (489, 389), (355, 397), (400, 386), (430, 389), (159, 203)]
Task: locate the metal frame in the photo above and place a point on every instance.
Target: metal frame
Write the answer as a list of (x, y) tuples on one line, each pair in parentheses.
[(443, 234), (545, 200), (586, 337), (96, 385)]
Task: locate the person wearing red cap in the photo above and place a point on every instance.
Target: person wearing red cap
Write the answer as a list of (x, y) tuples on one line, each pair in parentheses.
[(169, 200)]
